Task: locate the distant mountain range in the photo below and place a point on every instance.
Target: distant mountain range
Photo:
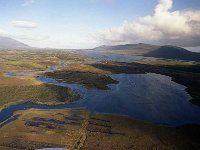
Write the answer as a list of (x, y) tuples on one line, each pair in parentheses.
[(127, 47), (142, 49), (9, 43), (166, 52), (136, 49)]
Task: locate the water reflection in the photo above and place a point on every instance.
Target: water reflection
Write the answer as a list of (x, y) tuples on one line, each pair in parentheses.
[(151, 97)]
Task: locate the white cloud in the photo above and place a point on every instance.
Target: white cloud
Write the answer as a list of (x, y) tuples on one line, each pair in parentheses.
[(2, 32), (24, 24), (163, 27), (28, 2)]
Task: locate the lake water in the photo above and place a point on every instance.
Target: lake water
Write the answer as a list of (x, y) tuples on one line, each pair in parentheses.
[(149, 97)]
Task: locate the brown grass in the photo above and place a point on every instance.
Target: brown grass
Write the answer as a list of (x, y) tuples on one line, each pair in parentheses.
[(96, 131)]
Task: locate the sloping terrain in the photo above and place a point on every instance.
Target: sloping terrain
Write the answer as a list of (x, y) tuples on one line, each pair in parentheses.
[(133, 49), (126, 47), (147, 50), (9, 43), (172, 52)]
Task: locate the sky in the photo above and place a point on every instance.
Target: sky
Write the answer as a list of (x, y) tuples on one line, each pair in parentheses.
[(90, 23)]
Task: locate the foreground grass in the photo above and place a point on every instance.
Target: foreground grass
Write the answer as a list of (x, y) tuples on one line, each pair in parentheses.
[(36, 93), (78, 129)]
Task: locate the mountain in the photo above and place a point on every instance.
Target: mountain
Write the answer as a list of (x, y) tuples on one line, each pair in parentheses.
[(172, 52), (126, 47), (133, 49), (147, 50), (9, 43)]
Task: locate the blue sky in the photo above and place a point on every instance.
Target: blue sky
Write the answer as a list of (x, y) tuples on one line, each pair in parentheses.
[(79, 23)]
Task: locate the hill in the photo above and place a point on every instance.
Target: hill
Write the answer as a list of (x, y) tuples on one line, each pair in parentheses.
[(147, 50), (134, 49), (9, 43), (172, 52)]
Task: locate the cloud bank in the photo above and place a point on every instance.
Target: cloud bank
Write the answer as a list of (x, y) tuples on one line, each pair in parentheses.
[(181, 27), (24, 24)]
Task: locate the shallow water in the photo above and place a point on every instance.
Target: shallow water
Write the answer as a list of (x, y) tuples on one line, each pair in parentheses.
[(52, 68)]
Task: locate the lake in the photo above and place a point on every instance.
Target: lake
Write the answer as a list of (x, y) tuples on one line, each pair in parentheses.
[(149, 97)]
